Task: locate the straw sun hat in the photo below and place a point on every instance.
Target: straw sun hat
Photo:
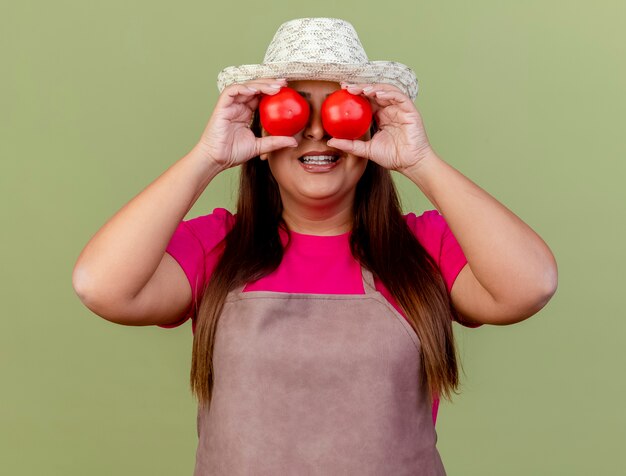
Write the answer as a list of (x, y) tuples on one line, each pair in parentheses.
[(326, 49)]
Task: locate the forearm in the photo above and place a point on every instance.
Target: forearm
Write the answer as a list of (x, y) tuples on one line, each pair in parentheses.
[(122, 256), (506, 256)]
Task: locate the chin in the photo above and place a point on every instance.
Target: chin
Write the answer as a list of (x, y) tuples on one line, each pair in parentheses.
[(319, 195)]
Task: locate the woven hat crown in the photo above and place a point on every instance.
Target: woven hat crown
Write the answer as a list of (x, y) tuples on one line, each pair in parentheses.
[(316, 40), (325, 49)]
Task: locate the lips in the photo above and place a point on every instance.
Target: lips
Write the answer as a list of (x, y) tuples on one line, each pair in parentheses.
[(335, 153), (326, 156), (319, 167)]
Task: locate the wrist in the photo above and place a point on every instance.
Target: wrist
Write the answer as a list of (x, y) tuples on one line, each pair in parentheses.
[(200, 154), (429, 174), (206, 164), (425, 161)]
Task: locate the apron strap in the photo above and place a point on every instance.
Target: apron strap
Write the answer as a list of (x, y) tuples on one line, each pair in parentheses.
[(368, 281), (239, 289)]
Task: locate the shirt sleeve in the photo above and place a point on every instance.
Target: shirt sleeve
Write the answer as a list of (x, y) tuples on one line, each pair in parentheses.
[(194, 246), (435, 235)]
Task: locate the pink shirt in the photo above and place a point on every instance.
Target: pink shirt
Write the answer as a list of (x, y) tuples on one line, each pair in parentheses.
[(311, 264)]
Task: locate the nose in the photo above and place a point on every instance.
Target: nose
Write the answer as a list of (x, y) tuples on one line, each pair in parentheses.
[(314, 130)]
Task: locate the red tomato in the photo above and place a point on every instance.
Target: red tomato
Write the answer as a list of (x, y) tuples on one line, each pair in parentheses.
[(346, 115), (284, 113)]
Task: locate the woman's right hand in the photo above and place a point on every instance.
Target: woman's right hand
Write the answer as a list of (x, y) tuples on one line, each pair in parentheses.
[(227, 138)]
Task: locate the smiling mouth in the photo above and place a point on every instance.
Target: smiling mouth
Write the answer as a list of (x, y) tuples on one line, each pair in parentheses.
[(318, 159)]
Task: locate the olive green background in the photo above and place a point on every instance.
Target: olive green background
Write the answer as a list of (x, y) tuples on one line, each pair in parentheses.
[(97, 99)]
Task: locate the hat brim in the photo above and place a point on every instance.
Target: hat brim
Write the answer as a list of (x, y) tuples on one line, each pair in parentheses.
[(390, 72)]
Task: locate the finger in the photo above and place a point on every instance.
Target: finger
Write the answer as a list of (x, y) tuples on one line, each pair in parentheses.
[(386, 97), (254, 94), (381, 95), (376, 92), (242, 92), (272, 143), (256, 83), (282, 81), (266, 85), (369, 87), (234, 93), (355, 147), (381, 99)]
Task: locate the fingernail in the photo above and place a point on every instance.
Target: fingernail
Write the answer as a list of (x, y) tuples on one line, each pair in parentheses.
[(252, 89), (369, 88), (277, 86)]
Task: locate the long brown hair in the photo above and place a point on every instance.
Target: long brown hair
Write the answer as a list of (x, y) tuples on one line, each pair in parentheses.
[(380, 240)]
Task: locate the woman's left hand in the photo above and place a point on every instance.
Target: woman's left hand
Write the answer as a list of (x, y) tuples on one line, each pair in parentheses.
[(401, 141)]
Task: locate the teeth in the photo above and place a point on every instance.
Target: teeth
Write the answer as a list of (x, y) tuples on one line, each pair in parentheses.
[(318, 159)]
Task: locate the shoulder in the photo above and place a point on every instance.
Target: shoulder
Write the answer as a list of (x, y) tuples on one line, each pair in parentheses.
[(434, 234), (429, 228), (428, 222), (218, 218), (211, 228)]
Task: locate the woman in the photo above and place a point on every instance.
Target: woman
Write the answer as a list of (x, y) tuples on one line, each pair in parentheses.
[(322, 316)]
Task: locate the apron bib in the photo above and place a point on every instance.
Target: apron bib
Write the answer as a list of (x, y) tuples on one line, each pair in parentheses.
[(316, 384)]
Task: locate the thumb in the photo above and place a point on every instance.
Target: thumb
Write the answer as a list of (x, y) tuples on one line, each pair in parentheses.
[(272, 143), (356, 147)]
